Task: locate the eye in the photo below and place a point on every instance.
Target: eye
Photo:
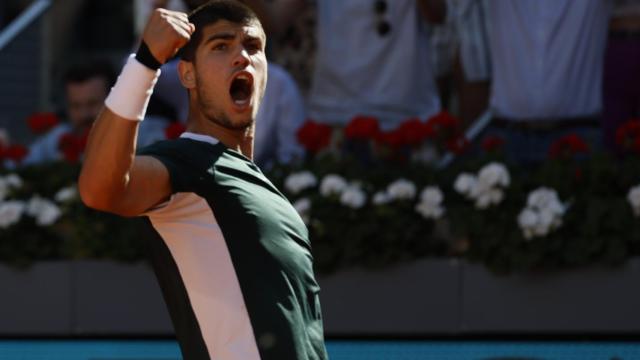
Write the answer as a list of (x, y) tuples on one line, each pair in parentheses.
[(253, 47), (220, 46)]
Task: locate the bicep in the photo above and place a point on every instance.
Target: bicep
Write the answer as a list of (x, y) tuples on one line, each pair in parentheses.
[(149, 184)]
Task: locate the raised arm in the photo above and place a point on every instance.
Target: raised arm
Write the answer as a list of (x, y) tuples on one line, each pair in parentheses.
[(113, 179)]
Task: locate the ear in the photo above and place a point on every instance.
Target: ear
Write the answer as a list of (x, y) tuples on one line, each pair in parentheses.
[(186, 72)]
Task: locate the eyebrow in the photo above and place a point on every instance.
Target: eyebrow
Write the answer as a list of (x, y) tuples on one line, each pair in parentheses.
[(220, 36)]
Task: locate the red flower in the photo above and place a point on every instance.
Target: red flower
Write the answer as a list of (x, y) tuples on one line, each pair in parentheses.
[(443, 121), (492, 143), (15, 153), (393, 138), (72, 146), (458, 145), (362, 128), (568, 146), (174, 130), (414, 131), (42, 122), (628, 135), (314, 136)]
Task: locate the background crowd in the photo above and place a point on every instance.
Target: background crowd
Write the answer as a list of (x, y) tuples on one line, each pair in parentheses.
[(543, 68)]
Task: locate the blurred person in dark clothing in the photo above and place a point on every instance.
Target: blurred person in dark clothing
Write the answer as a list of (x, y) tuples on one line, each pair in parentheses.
[(86, 85), (621, 100)]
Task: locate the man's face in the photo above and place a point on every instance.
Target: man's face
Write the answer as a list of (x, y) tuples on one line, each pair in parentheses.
[(229, 73), (84, 101)]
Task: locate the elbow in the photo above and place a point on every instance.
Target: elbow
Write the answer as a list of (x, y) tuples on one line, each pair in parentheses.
[(90, 196), (96, 197), (101, 200), (87, 193), (105, 203)]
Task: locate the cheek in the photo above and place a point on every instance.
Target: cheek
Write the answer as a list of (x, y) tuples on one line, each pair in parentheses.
[(261, 68)]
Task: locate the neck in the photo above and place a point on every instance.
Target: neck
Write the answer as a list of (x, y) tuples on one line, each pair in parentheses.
[(239, 140)]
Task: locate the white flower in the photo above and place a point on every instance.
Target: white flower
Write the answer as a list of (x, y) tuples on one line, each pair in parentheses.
[(66, 194), (381, 198), (527, 218), (431, 199), (332, 184), (494, 174), (543, 198), (10, 213), (13, 181), (490, 197), (480, 187), (431, 195), (353, 197), (464, 183), (546, 221), (483, 201), (429, 211), (44, 211), (401, 189), (634, 199), (542, 214), (486, 188), (303, 206), (297, 182)]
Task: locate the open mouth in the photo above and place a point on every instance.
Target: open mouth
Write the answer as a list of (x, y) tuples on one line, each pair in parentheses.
[(241, 88)]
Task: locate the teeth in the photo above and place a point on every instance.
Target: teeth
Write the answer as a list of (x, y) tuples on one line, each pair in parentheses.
[(243, 77), (241, 102)]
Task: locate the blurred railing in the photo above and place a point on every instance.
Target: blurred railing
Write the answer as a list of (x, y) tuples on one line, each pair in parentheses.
[(23, 73)]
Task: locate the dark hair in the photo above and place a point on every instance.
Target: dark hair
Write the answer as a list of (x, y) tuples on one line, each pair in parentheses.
[(211, 12), (86, 70)]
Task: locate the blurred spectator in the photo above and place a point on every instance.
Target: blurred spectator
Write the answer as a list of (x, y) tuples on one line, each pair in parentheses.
[(295, 46), (548, 60), (621, 101), (372, 58), (472, 63), (86, 86), (281, 114), (443, 40)]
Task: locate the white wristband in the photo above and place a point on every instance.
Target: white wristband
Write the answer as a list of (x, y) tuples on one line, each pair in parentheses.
[(130, 95)]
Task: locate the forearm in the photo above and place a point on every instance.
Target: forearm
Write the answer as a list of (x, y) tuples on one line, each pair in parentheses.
[(108, 160), (113, 178), (104, 178)]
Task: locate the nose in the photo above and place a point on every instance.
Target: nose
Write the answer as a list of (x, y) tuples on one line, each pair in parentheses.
[(241, 59)]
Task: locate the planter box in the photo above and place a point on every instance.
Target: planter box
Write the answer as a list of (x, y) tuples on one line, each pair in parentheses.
[(113, 298), (584, 301), (427, 297), (36, 301), (417, 298)]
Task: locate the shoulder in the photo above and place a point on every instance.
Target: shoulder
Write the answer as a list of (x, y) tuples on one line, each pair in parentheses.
[(183, 157), (176, 148)]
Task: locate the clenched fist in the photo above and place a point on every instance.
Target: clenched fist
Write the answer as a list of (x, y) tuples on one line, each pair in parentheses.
[(166, 32)]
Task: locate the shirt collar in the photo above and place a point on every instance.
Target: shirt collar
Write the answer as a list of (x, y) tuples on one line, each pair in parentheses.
[(199, 137)]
